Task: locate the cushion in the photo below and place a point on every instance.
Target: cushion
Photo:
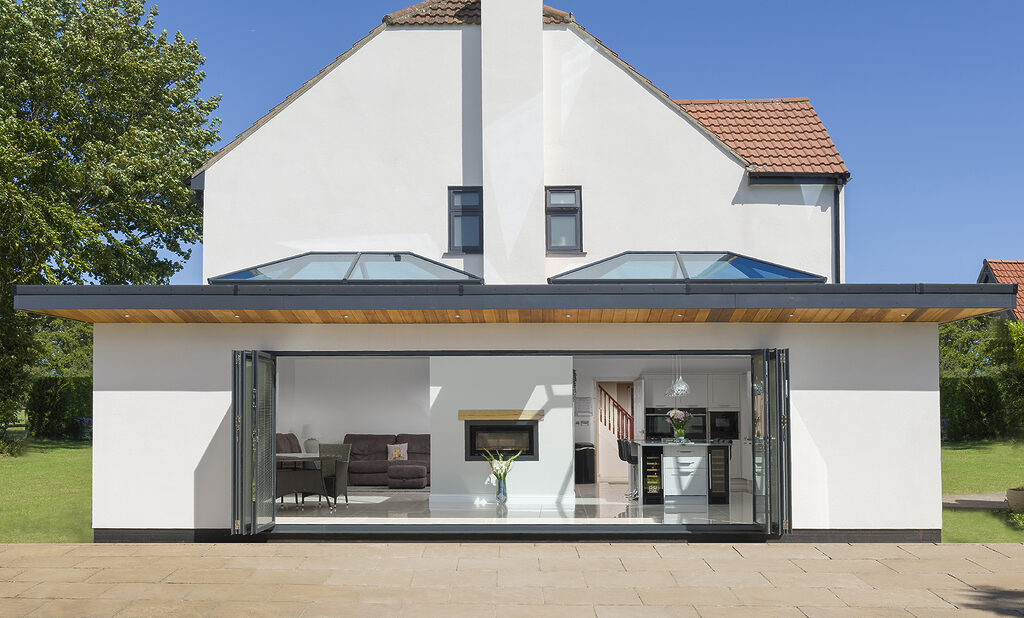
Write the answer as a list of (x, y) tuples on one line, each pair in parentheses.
[(419, 445), (287, 443), (311, 446), (368, 466), (398, 452)]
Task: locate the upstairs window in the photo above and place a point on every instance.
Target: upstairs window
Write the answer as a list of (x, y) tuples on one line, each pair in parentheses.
[(564, 220), (465, 220)]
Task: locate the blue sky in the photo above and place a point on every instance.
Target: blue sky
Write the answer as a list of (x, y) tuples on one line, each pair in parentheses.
[(922, 98)]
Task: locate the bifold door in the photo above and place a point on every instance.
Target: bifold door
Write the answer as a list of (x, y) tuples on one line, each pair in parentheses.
[(770, 410), (253, 449)]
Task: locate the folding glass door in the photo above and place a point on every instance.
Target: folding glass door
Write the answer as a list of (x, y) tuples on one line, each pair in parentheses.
[(253, 450), (770, 418)]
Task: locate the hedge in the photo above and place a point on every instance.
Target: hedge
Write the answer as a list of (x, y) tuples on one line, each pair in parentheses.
[(55, 402), (972, 408)]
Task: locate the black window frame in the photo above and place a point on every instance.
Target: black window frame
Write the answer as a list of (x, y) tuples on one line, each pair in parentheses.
[(562, 209), (456, 211)]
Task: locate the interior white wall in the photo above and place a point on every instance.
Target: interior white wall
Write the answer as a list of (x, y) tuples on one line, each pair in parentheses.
[(865, 408), (501, 383), (337, 396)]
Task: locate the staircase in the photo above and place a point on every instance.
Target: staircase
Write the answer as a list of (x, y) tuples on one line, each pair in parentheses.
[(614, 417)]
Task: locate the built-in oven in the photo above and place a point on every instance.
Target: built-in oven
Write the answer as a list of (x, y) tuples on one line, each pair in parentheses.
[(657, 425), (724, 425)]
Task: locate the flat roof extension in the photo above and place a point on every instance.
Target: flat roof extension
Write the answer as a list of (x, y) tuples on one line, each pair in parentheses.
[(552, 303)]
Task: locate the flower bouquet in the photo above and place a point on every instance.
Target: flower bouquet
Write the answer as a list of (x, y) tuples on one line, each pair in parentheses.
[(499, 468), (679, 419)]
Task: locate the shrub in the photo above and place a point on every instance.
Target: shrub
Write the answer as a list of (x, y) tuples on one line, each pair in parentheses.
[(12, 447), (1016, 519), (973, 408), (55, 402)]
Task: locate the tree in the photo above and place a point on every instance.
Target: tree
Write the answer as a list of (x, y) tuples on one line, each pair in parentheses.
[(101, 122)]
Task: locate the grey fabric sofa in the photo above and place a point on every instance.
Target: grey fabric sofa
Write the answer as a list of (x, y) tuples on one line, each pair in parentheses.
[(369, 463)]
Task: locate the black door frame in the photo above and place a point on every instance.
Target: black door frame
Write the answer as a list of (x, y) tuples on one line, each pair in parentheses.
[(701, 532)]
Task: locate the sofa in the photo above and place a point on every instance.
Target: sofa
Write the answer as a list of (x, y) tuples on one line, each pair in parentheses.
[(368, 464)]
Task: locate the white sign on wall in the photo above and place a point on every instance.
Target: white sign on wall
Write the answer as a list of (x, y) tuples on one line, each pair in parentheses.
[(583, 406)]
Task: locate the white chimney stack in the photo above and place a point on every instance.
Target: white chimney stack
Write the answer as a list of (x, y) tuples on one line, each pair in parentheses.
[(512, 97)]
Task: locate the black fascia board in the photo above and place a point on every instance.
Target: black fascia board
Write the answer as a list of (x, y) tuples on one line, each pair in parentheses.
[(550, 296), (795, 178)]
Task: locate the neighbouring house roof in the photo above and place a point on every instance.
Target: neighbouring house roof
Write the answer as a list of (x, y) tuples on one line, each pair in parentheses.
[(1006, 271), (456, 12), (425, 303), (783, 136)]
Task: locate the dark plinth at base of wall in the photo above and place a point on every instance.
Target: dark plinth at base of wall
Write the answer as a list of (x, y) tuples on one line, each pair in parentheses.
[(166, 535), (863, 535), (427, 533)]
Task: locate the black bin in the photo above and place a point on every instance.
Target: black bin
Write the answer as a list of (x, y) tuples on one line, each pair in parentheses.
[(584, 462)]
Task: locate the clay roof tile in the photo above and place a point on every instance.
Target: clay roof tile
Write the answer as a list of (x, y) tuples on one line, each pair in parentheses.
[(775, 135)]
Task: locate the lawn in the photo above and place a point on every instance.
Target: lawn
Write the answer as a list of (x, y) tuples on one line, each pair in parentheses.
[(980, 468), (46, 494)]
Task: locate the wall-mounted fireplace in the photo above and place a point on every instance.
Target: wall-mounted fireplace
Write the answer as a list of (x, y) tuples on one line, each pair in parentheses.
[(506, 437)]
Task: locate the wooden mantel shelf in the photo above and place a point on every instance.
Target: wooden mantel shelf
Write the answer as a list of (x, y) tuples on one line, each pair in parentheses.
[(501, 415)]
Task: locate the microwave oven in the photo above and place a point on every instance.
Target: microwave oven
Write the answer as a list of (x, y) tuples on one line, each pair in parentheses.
[(657, 425), (724, 425)]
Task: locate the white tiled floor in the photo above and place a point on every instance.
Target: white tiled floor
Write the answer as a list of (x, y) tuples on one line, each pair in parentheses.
[(595, 504)]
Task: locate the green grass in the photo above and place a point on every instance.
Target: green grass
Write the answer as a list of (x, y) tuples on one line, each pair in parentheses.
[(46, 494), (982, 467), (978, 527)]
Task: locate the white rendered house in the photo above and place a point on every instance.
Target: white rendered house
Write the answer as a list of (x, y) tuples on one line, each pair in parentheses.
[(479, 223)]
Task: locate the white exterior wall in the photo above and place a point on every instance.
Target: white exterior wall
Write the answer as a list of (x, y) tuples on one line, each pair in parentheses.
[(864, 399), (653, 181), (501, 383), (361, 161), (364, 158), (512, 57), (335, 396)]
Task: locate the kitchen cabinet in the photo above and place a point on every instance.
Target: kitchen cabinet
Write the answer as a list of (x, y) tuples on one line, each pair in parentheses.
[(655, 387), (684, 471), (724, 392)]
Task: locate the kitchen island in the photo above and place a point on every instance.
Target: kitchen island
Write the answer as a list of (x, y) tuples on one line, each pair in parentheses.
[(683, 473)]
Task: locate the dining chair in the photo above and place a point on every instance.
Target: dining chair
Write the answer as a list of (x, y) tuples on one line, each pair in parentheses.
[(335, 469)]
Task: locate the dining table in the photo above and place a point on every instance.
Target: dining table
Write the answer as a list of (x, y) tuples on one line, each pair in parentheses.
[(300, 479)]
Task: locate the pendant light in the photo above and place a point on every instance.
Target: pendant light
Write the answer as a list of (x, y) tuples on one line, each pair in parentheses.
[(678, 387)]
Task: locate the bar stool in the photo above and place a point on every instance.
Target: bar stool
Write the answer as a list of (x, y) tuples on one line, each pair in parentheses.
[(626, 454)]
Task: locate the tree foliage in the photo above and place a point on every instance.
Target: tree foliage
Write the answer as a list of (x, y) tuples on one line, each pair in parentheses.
[(980, 352), (101, 122)]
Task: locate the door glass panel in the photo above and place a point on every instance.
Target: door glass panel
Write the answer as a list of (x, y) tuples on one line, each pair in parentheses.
[(264, 474), (563, 230), (759, 444), (778, 432)]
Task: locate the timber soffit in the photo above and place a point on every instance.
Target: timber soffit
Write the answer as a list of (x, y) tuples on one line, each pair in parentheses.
[(400, 18)]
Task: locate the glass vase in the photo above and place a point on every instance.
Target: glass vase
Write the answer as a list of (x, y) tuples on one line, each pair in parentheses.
[(680, 432), (501, 493)]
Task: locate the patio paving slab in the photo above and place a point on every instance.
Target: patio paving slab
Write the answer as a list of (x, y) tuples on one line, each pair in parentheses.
[(605, 580)]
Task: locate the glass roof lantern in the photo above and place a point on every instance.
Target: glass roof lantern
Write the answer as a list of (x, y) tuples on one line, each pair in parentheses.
[(357, 267), (682, 266)]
